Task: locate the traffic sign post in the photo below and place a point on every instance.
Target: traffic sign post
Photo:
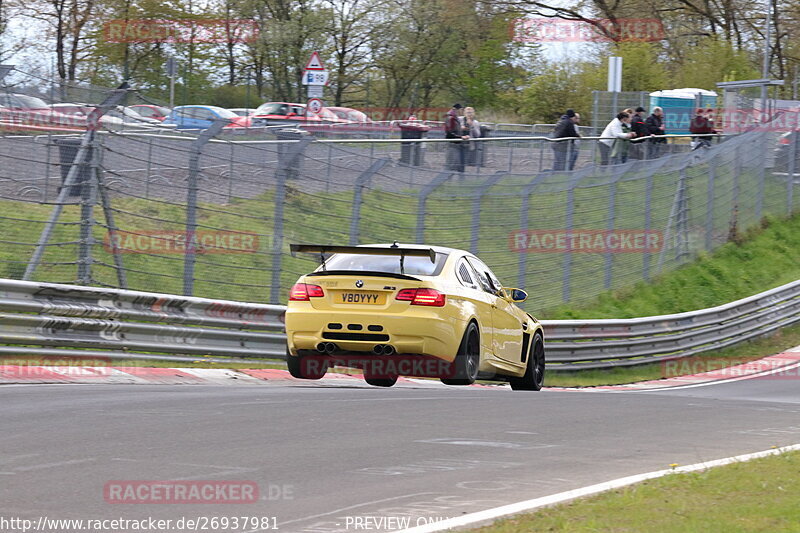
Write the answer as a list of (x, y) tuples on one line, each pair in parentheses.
[(315, 78), (315, 63), (314, 106)]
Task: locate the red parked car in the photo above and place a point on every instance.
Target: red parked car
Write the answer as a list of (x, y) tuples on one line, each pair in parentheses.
[(151, 111)]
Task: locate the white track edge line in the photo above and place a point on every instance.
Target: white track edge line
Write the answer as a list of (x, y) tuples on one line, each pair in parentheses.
[(529, 505), (763, 373)]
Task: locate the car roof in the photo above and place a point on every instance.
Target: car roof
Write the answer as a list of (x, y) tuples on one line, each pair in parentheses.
[(203, 106)]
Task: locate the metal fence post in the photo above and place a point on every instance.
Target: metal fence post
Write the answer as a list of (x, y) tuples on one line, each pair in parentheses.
[(568, 225), (477, 198), (612, 215), (88, 201), (595, 112), (191, 202), (791, 168), (358, 196), (423, 199), (93, 121), (149, 168), (712, 174), (523, 225), (105, 201), (762, 170), (648, 218), (288, 163)]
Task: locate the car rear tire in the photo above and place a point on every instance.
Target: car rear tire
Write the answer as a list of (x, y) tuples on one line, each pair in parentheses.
[(380, 382), (534, 373), (300, 370), (468, 359)]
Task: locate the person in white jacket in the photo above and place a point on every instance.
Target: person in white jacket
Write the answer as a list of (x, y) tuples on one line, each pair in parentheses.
[(613, 132)]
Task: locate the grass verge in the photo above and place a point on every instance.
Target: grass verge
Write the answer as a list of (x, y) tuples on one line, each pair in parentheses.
[(758, 496)]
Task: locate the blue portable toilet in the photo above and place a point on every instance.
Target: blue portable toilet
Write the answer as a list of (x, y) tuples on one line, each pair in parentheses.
[(679, 106)]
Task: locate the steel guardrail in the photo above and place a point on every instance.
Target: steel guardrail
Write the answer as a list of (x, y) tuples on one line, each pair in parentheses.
[(75, 321)]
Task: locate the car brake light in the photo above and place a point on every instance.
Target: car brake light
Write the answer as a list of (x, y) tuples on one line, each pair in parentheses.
[(303, 292), (430, 297)]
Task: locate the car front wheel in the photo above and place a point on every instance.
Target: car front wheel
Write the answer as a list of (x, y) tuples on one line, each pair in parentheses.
[(534, 373)]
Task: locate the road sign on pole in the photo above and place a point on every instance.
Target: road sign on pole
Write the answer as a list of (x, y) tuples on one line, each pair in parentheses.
[(315, 63), (314, 106), (315, 77), (315, 91)]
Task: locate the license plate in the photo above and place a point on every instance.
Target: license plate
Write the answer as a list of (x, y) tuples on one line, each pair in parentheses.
[(369, 298)]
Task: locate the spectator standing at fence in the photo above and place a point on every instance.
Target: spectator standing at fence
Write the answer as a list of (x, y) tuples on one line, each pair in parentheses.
[(655, 126), (614, 132), (702, 128), (640, 130), (566, 152), (454, 129), (622, 145), (471, 128)]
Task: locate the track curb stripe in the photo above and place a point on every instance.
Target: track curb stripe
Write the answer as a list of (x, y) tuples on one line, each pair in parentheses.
[(537, 503)]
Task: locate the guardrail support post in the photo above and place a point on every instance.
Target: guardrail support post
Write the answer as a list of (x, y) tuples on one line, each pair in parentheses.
[(358, 196), (191, 203)]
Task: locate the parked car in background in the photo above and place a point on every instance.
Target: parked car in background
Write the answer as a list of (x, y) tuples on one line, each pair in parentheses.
[(116, 117), (349, 114), (788, 146), (80, 114), (29, 110), (277, 113), (151, 111), (242, 111), (202, 116)]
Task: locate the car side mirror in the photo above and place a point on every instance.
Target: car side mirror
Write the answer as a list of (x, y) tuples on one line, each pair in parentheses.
[(516, 295), (291, 114)]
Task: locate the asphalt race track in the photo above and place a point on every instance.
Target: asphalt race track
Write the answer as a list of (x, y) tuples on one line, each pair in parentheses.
[(338, 458)]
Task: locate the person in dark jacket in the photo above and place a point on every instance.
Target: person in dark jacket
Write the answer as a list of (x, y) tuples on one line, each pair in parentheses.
[(454, 129), (565, 153), (655, 126), (639, 128), (701, 126)]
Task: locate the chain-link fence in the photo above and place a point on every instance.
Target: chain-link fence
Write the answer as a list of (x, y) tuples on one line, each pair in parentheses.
[(212, 213)]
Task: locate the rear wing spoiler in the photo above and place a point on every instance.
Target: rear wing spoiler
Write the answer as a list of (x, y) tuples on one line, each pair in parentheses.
[(397, 251)]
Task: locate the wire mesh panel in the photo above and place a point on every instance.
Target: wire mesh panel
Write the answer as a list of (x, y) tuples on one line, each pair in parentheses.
[(184, 211)]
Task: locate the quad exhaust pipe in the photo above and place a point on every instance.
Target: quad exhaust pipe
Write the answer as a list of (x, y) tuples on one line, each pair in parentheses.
[(383, 349), (327, 347)]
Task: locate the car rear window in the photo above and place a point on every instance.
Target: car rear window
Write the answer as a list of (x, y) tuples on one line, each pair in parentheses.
[(413, 266)]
